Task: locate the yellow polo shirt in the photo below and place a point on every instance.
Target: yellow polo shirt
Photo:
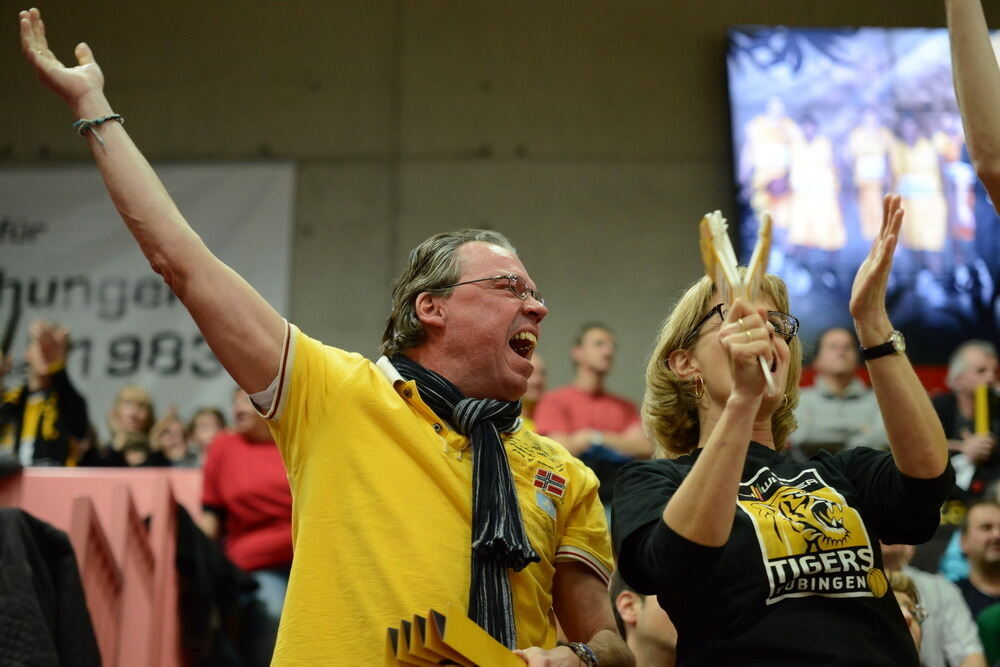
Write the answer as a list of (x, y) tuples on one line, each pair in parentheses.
[(382, 509)]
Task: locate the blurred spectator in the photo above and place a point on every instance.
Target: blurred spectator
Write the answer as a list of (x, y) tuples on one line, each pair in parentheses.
[(950, 636), (248, 505), (82, 446), (41, 420), (765, 159), (602, 429), (130, 419), (838, 411), (960, 179), (976, 461), (647, 629), (981, 545), (132, 411), (815, 220), (169, 438), (975, 458), (952, 562), (868, 146), (206, 423), (536, 387), (917, 169), (989, 632), (909, 604), (137, 452)]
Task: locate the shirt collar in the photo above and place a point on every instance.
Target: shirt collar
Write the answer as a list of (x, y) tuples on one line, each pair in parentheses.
[(388, 370)]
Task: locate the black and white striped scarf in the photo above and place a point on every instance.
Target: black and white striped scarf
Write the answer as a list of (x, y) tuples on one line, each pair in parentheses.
[(498, 538)]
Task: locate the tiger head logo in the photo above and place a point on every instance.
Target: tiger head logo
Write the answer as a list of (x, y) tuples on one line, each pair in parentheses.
[(819, 521)]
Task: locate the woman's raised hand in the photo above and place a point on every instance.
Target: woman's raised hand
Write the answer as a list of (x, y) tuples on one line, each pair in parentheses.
[(868, 292)]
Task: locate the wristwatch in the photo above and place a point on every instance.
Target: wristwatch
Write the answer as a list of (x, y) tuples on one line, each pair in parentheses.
[(585, 654), (895, 345)]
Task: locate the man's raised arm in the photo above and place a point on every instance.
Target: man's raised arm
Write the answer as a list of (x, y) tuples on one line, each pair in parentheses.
[(243, 330), (977, 85)]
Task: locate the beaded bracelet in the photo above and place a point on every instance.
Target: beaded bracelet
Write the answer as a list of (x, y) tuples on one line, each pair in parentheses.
[(585, 653), (91, 124)]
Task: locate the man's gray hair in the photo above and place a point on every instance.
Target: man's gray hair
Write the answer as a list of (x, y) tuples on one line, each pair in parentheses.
[(958, 363), (432, 264)]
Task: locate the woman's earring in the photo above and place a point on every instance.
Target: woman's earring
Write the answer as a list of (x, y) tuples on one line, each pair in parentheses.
[(698, 387)]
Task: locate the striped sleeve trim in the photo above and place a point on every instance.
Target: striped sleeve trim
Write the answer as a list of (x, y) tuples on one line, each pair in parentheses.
[(565, 553), (275, 395)]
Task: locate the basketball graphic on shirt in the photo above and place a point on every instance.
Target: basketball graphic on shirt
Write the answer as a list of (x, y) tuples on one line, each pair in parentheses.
[(811, 540), (877, 582)]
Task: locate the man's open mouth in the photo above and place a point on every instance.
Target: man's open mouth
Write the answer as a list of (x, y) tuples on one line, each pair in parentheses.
[(523, 343)]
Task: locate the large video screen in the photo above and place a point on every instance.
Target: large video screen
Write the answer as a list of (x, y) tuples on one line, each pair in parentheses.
[(825, 122)]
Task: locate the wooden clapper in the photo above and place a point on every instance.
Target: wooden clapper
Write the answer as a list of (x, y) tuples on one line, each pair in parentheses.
[(722, 269)]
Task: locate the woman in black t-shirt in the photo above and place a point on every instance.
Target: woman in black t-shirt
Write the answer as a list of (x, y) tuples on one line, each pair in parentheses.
[(759, 559)]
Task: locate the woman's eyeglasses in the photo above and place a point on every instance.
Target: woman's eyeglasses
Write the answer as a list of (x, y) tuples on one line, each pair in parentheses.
[(785, 325)]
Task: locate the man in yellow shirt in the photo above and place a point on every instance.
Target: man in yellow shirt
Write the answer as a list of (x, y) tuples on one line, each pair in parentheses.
[(414, 485)]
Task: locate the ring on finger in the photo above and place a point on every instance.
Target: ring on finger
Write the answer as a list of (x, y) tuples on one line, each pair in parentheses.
[(742, 326), (749, 337)]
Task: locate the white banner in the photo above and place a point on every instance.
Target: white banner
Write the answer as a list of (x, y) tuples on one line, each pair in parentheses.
[(66, 256)]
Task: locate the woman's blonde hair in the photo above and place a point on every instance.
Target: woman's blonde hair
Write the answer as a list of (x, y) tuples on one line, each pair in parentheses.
[(670, 407), (138, 394)]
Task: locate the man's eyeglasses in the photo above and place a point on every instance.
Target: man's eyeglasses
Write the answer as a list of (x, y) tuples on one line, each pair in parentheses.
[(785, 325), (516, 284)]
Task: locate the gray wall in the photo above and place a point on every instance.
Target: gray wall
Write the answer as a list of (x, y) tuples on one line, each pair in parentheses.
[(594, 133)]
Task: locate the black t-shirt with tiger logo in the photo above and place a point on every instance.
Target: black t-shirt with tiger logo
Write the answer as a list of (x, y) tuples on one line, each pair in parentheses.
[(800, 581)]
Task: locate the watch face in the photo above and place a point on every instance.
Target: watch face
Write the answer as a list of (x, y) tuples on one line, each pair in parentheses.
[(898, 342)]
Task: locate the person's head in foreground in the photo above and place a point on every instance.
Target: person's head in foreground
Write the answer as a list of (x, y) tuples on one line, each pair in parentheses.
[(466, 308), (688, 378), (646, 628), (909, 604)]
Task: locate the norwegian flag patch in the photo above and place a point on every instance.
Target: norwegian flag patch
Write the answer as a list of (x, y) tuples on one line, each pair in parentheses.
[(548, 481)]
